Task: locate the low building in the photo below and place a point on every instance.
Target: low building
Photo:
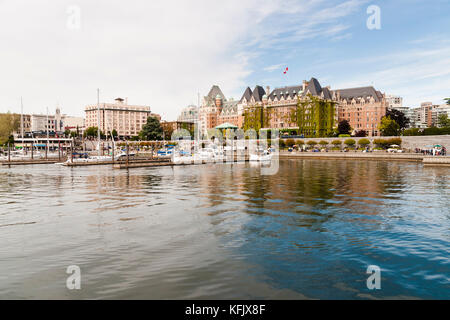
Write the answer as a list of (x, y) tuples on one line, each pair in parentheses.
[(73, 123), (169, 127)]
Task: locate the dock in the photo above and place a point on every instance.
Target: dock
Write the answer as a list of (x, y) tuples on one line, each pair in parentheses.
[(437, 161), (28, 162), (142, 162)]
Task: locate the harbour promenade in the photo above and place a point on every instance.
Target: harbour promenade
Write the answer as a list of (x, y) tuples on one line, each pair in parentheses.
[(370, 156)]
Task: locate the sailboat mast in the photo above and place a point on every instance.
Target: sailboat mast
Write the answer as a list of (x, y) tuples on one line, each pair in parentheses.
[(21, 121), (98, 119)]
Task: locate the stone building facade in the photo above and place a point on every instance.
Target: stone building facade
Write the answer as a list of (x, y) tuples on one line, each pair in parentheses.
[(362, 107)]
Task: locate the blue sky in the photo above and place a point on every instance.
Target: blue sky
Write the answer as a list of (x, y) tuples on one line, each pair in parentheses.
[(408, 56), (162, 53)]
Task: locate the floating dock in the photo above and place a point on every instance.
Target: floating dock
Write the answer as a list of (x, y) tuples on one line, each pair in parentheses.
[(25, 162)]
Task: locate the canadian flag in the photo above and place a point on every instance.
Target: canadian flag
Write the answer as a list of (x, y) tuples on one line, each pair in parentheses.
[(286, 70)]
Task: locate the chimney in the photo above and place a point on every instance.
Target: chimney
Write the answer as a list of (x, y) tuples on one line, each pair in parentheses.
[(305, 83), (267, 90)]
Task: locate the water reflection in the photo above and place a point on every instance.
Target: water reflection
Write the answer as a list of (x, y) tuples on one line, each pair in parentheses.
[(225, 231)]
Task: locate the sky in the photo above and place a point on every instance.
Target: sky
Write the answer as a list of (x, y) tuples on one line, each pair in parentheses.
[(164, 53)]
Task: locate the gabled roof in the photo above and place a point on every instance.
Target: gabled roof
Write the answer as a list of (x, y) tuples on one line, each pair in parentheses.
[(327, 94), (258, 93), (213, 93), (247, 95), (313, 87)]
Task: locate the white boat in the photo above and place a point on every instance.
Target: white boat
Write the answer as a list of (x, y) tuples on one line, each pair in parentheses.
[(178, 159), (260, 156)]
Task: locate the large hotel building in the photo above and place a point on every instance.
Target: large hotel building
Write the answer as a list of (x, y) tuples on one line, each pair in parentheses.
[(362, 107), (126, 119)]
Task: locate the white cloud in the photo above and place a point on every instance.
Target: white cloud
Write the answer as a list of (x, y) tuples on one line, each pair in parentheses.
[(416, 74), (275, 67), (159, 53)]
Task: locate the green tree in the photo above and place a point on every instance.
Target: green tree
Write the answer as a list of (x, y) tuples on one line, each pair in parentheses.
[(398, 117), (9, 122), (447, 100), (444, 121), (344, 127), (152, 130), (91, 132), (389, 127), (114, 133)]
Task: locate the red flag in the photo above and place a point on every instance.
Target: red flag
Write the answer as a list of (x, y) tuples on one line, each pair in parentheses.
[(286, 70)]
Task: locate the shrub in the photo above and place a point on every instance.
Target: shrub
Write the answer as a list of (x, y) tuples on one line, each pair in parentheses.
[(361, 133), (290, 142), (381, 143), (397, 141), (344, 136), (299, 142), (412, 132), (337, 142), (311, 143), (364, 142), (282, 143), (323, 143), (350, 142)]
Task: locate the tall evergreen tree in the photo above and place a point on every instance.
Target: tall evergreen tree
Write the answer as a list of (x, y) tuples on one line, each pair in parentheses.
[(152, 130)]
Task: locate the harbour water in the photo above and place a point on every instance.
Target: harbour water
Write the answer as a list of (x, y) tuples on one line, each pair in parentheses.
[(223, 231)]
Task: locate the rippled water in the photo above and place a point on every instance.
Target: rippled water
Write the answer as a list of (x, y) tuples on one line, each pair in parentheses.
[(225, 231)]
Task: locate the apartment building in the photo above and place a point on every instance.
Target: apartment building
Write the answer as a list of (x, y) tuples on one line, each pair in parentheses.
[(126, 119)]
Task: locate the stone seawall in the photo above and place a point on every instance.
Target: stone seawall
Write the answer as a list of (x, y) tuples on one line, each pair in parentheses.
[(408, 142), (353, 155)]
